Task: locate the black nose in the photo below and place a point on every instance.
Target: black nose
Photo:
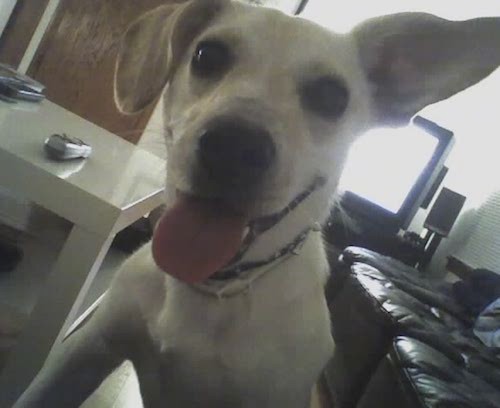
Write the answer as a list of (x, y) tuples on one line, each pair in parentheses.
[(235, 153)]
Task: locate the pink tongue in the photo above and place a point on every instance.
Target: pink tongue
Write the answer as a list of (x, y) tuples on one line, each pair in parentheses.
[(193, 241)]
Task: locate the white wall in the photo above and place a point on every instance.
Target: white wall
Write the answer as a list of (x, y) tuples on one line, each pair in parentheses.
[(342, 17)]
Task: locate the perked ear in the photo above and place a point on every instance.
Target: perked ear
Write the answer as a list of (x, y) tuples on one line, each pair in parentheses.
[(413, 60), (153, 46)]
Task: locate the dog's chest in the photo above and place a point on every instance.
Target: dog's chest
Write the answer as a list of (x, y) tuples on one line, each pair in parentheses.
[(257, 346)]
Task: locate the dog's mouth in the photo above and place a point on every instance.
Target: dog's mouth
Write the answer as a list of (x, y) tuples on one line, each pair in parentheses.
[(197, 237)]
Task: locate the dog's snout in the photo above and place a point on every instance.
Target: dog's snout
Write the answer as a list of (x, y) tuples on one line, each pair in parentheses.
[(236, 152)]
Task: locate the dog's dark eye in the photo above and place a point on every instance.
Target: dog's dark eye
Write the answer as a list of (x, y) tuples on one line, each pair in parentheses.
[(211, 58), (326, 96)]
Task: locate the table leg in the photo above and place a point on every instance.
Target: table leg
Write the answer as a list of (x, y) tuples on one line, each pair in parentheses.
[(57, 306)]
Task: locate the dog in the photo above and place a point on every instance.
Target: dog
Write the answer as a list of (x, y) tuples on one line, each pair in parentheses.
[(225, 307)]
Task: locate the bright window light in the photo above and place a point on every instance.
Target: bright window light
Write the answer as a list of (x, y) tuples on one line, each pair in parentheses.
[(343, 18), (384, 164)]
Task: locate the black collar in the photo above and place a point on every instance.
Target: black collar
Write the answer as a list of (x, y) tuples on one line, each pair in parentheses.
[(263, 224)]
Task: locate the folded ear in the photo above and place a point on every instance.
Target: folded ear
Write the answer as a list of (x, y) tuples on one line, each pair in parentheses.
[(413, 60), (153, 46)]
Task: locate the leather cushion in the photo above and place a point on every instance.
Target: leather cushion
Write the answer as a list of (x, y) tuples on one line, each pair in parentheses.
[(439, 380), (373, 307)]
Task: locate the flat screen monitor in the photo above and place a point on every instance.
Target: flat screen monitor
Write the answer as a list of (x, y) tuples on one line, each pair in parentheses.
[(390, 171)]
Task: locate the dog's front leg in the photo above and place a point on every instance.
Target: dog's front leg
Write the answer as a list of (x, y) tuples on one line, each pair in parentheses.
[(73, 372)]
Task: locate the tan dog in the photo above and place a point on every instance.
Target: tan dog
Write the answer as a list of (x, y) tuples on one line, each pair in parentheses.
[(225, 308)]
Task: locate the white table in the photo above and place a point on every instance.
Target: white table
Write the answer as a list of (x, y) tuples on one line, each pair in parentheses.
[(100, 196)]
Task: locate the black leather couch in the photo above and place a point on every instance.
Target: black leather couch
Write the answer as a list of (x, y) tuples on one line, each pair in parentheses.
[(403, 340)]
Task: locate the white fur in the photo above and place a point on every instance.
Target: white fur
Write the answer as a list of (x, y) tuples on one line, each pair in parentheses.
[(263, 339)]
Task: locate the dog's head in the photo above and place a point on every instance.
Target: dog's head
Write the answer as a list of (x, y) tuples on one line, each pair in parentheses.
[(260, 105)]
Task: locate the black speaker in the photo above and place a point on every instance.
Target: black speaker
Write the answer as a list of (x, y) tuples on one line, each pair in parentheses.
[(434, 188), (444, 212)]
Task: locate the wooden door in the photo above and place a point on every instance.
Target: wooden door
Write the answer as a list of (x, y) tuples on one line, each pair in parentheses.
[(77, 56)]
